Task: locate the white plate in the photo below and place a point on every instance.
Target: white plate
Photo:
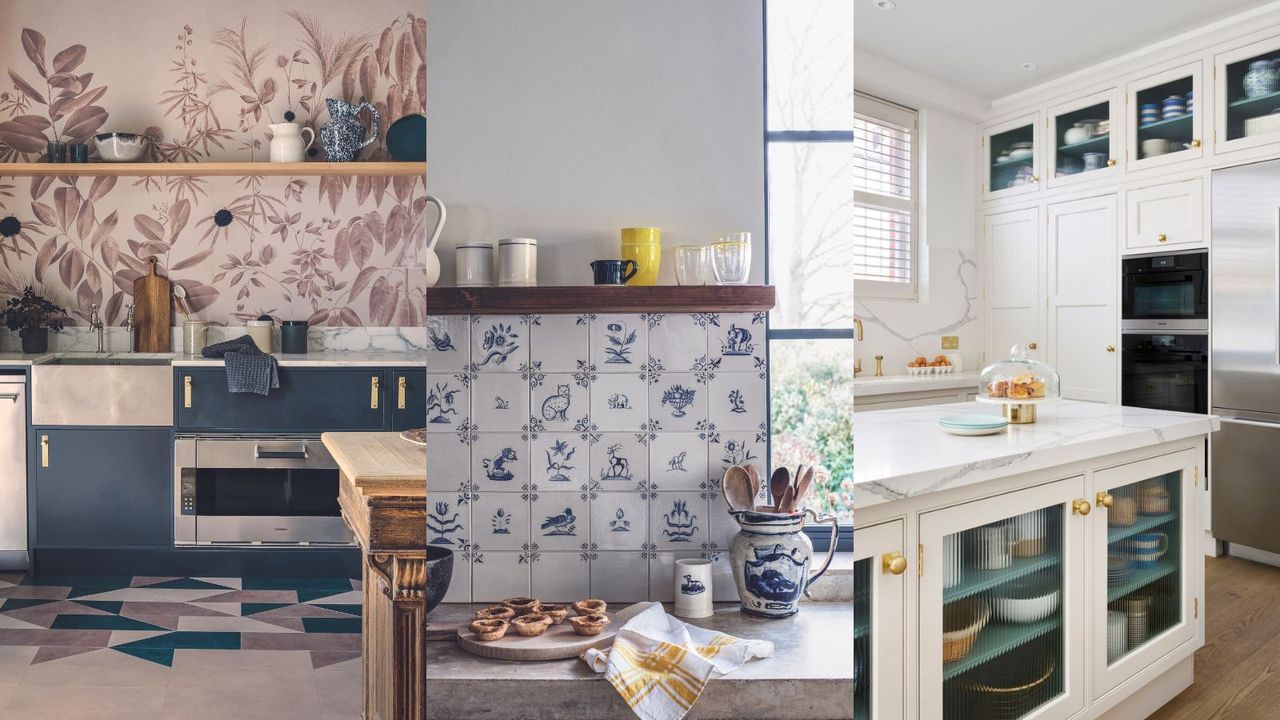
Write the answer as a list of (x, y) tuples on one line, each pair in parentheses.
[(972, 421), (970, 432)]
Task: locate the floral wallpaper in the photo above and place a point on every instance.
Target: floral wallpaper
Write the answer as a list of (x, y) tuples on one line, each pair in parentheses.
[(205, 84)]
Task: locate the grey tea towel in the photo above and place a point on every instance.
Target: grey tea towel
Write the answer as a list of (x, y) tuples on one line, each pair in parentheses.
[(249, 370)]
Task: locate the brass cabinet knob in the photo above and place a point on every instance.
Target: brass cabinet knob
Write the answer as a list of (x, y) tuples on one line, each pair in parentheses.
[(893, 563), (1195, 143), (1162, 238), (1111, 348), (1104, 499), (1111, 162), (1031, 346), (1081, 506)]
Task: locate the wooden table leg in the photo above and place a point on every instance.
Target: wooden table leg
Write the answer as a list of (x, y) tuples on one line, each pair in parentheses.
[(394, 640)]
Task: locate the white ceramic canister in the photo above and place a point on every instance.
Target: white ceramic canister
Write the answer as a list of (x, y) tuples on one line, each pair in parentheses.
[(474, 263), (195, 335), (517, 262), (260, 332), (693, 588), (287, 144)]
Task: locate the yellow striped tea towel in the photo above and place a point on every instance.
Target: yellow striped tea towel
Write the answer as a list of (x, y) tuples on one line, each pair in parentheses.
[(660, 664)]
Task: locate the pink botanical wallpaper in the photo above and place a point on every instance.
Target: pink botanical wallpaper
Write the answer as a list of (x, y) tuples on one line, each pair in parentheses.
[(205, 83)]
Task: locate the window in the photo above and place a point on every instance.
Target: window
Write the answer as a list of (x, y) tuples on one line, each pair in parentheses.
[(884, 198), (810, 156)]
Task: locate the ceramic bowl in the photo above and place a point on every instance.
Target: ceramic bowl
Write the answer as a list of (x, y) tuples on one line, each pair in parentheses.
[(1025, 602), (439, 573), (121, 147), (1017, 153)]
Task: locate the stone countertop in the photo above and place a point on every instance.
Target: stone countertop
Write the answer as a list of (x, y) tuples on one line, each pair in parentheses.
[(329, 358), (808, 677), (17, 359), (867, 386), (903, 453)]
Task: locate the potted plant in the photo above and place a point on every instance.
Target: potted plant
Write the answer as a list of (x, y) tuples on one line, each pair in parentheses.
[(31, 316)]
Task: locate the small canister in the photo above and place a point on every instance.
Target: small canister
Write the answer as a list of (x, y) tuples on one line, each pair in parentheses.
[(474, 263), (293, 337), (517, 262), (260, 332), (693, 588), (195, 335), (644, 246)]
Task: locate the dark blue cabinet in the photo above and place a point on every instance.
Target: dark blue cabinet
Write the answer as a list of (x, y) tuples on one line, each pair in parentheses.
[(102, 487), (308, 400), (407, 398)]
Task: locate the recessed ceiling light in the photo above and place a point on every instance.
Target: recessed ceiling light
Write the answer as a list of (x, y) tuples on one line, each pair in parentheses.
[(1028, 66), (886, 4)]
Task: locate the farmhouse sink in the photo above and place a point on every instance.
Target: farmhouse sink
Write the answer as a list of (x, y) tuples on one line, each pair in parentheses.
[(103, 390)]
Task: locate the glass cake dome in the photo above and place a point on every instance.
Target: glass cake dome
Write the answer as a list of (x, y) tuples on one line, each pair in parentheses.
[(1019, 381)]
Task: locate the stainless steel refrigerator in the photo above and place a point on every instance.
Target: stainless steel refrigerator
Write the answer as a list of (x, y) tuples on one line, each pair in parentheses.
[(1244, 311)]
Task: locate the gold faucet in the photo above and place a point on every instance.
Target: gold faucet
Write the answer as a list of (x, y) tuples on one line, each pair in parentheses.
[(879, 366), (857, 336)]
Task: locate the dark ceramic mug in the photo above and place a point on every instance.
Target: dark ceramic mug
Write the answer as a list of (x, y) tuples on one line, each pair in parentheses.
[(614, 272)]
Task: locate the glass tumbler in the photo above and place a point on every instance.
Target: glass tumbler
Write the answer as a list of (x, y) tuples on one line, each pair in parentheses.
[(731, 258), (691, 264)]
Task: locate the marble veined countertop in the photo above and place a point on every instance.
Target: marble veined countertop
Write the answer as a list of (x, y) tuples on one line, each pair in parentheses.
[(326, 358), (868, 385), (903, 453)]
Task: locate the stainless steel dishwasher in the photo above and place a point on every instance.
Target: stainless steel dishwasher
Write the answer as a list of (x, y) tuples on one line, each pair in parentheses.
[(13, 473)]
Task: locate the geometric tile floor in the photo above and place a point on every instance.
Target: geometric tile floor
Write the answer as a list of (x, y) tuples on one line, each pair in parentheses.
[(101, 646)]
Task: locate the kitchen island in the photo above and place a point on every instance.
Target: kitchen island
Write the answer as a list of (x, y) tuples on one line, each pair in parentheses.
[(989, 549)]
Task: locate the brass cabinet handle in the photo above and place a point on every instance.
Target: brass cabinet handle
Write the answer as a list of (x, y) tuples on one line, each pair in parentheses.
[(1111, 348), (1104, 499), (1162, 238), (894, 563), (1111, 162), (1081, 507), (1031, 346), (44, 451), (1195, 143), (401, 384), (373, 393), (186, 391), (1035, 178)]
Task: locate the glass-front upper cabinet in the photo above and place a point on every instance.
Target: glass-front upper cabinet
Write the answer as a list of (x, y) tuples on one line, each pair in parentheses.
[(1085, 145), (1012, 157), (1000, 606), (1247, 96), (1149, 592), (1165, 121), (879, 627)]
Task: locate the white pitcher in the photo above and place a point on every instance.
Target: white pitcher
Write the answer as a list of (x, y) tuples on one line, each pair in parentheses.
[(286, 142), (427, 257)]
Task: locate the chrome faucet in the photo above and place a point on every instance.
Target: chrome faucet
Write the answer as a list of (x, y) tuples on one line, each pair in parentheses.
[(95, 323), (128, 323)]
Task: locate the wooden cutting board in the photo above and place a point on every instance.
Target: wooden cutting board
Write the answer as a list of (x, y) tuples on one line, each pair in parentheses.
[(152, 316), (557, 643)]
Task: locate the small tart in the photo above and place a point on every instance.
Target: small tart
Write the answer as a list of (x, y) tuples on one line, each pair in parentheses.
[(589, 624), (488, 630), (494, 612), (522, 605), (532, 624), (590, 607), (557, 613)]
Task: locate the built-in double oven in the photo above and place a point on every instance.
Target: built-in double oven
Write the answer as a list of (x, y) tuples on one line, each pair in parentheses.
[(1165, 320)]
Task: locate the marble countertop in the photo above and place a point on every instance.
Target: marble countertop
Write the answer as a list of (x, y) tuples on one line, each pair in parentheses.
[(866, 386), (328, 358), (807, 676), (903, 453)]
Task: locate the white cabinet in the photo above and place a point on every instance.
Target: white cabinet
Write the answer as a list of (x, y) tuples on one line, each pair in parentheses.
[(1084, 141), (1081, 297), (880, 565), (1169, 214), (1011, 157), (1011, 252), (1244, 114), (1161, 135)]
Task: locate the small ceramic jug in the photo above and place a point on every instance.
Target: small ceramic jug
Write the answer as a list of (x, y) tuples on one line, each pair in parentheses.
[(343, 136), (286, 142), (771, 556), (1262, 78)]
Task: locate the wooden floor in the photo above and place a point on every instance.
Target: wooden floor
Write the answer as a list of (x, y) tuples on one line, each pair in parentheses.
[(1238, 669)]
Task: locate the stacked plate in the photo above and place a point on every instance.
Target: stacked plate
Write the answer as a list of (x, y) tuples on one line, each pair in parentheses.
[(1119, 569), (972, 424)]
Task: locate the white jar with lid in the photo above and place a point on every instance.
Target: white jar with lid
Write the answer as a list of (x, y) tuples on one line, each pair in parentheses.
[(517, 262), (474, 265)]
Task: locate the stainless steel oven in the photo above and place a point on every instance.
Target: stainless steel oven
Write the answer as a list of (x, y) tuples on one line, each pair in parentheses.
[(1163, 293), (261, 490)]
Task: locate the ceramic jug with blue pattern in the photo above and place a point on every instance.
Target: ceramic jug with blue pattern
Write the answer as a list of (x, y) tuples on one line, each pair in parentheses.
[(771, 557), (343, 136)]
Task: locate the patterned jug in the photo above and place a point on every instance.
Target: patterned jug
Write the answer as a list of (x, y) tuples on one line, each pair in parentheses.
[(771, 556), (343, 136)]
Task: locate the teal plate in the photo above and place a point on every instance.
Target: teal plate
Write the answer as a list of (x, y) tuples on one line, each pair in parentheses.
[(407, 139), (972, 422)]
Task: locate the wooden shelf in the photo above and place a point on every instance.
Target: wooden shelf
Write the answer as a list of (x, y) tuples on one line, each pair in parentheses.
[(568, 299), (212, 169)]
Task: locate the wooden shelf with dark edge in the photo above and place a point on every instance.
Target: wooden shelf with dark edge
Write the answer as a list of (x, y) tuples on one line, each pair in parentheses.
[(569, 299), (214, 169)]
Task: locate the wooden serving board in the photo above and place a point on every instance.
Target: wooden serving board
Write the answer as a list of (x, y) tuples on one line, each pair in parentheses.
[(557, 643), (151, 312)]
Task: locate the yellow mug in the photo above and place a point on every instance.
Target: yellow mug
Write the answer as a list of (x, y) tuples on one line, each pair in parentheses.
[(644, 246)]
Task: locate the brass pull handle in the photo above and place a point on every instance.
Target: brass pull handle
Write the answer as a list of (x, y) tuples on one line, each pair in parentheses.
[(1031, 346), (1111, 162), (1162, 238), (401, 384), (1111, 348), (1104, 499), (1081, 507), (893, 563), (1195, 143), (44, 451), (1035, 178), (186, 391), (373, 393)]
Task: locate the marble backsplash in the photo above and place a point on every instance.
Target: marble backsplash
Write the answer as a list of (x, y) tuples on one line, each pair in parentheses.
[(320, 339)]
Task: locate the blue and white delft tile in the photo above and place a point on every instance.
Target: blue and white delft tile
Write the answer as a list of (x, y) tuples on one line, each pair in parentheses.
[(499, 402), (448, 343), (448, 520), (738, 402), (560, 461), (723, 587), (560, 342), (499, 576), (459, 583), (678, 461), (500, 521), (560, 521), (448, 463), (620, 577), (737, 448), (619, 521), (499, 343), (738, 341), (678, 341), (678, 521), (559, 403), (619, 343), (448, 403), (500, 463), (678, 401), (619, 462), (662, 575), (619, 402), (561, 577), (723, 527)]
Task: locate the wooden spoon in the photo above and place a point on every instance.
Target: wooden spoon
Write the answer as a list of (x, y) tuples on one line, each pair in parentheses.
[(803, 485), (736, 486), (755, 481), (778, 484), (787, 503)]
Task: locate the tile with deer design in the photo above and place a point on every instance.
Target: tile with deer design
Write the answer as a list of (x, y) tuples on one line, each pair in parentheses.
[(619, 463)]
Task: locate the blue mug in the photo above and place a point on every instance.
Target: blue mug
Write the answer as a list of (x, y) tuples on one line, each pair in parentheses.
[(1148, 548), (614, 272)]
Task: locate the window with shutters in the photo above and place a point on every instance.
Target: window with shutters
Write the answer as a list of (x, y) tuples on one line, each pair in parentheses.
[(884, 199)]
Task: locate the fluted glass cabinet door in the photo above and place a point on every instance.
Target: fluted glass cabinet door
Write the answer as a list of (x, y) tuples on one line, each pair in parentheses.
[(1001, 612), (1145, 549), (880, 570)]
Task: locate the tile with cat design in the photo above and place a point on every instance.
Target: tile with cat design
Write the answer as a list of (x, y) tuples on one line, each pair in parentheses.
[(559, 403)]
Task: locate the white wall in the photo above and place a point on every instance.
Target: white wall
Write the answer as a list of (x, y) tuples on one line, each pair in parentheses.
[(566, 120)]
